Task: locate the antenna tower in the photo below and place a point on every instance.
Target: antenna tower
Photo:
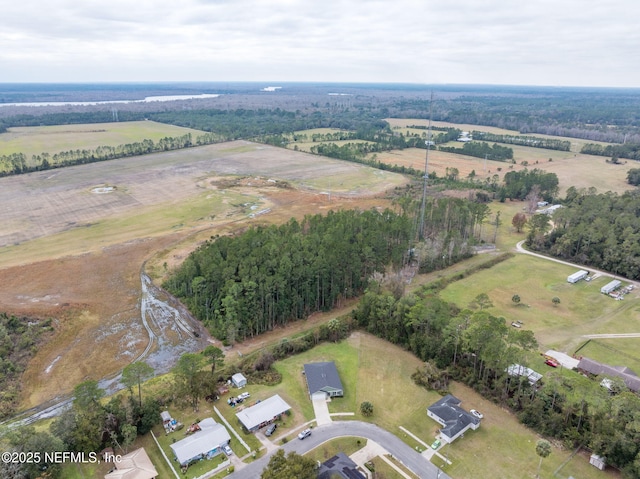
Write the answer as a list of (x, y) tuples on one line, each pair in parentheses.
[(426, 173)]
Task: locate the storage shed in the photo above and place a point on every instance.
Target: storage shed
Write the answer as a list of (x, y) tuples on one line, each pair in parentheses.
[(577, 276), (239, 380), (610, 287), (598, 461)]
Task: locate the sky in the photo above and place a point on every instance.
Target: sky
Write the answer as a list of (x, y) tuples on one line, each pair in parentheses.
[(500, 42)]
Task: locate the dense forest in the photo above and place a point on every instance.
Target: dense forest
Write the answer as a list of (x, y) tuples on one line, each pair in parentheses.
[(474, 346), (597, 230), (245, 285)]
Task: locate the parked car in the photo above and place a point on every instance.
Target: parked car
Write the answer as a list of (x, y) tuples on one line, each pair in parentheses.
[(436, 444), (516, 324), (271, 429), (227, 450), (477, 414), (244, 396), (551, 362), (305, 433)]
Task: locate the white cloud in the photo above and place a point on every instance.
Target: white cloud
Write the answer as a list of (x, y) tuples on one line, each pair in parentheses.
[(566, 42)]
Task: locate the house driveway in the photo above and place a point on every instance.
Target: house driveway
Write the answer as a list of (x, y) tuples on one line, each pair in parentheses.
[(321, 410), (266, 442)]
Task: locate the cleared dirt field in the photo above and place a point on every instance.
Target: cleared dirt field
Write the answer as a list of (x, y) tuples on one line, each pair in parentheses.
[(74, 240), (54, 139)]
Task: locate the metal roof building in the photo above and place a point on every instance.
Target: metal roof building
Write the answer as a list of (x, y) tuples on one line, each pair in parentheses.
[(611, 286), (263, 413), (205, 443)]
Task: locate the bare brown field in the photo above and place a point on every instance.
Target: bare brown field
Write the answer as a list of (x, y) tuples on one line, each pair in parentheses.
[(74, 253), (34, 140)]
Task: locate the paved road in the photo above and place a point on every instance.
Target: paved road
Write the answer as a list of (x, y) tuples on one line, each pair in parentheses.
[(402, 452)]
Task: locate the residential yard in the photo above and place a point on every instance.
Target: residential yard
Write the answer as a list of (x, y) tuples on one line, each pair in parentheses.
[(347, 445)]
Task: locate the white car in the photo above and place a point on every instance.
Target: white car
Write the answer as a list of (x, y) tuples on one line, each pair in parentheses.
[(227, 450), (244, 396), (305, 433), (477, 414)]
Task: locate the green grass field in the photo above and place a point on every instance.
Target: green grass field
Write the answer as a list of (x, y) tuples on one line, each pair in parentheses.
[(35, 140), (582, 310)]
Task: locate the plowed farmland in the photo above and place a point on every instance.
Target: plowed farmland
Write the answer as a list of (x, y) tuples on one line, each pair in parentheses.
[(74, 241)]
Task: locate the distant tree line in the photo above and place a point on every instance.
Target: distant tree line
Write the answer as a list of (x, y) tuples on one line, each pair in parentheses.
[(532, 141), (245, 285), (597, 230), (16, 163), (630, 151), (481, 150)]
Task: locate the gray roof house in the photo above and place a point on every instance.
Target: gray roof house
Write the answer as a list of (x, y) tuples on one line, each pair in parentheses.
[(263, 413), (323, 380), (339, 466), (627, 375), (455, 420), (203, 444)]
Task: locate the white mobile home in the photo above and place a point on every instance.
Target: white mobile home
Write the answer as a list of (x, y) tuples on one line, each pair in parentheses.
[(577, 276), (610, 287)]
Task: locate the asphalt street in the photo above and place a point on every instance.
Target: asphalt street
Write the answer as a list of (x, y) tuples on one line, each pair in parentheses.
[(398, 449)]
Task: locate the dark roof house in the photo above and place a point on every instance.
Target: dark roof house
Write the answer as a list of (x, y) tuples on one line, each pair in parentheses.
[(323, 380), (339, 466), (629, 377), (455, 420)]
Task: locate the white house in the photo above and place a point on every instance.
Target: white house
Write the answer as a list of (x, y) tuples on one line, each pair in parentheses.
[(455, 420), (263, 413), (203, 444)]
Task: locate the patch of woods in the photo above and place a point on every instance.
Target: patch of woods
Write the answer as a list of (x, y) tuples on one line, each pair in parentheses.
[(245, 285), (476, 347), (19, 340), (597, 230), (241, 286)]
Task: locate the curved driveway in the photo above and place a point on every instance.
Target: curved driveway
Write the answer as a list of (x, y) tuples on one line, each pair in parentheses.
[(398, 449)]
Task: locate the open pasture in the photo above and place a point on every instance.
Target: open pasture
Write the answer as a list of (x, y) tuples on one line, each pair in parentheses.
[(34, 140), (582, 309), (572, 168)]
